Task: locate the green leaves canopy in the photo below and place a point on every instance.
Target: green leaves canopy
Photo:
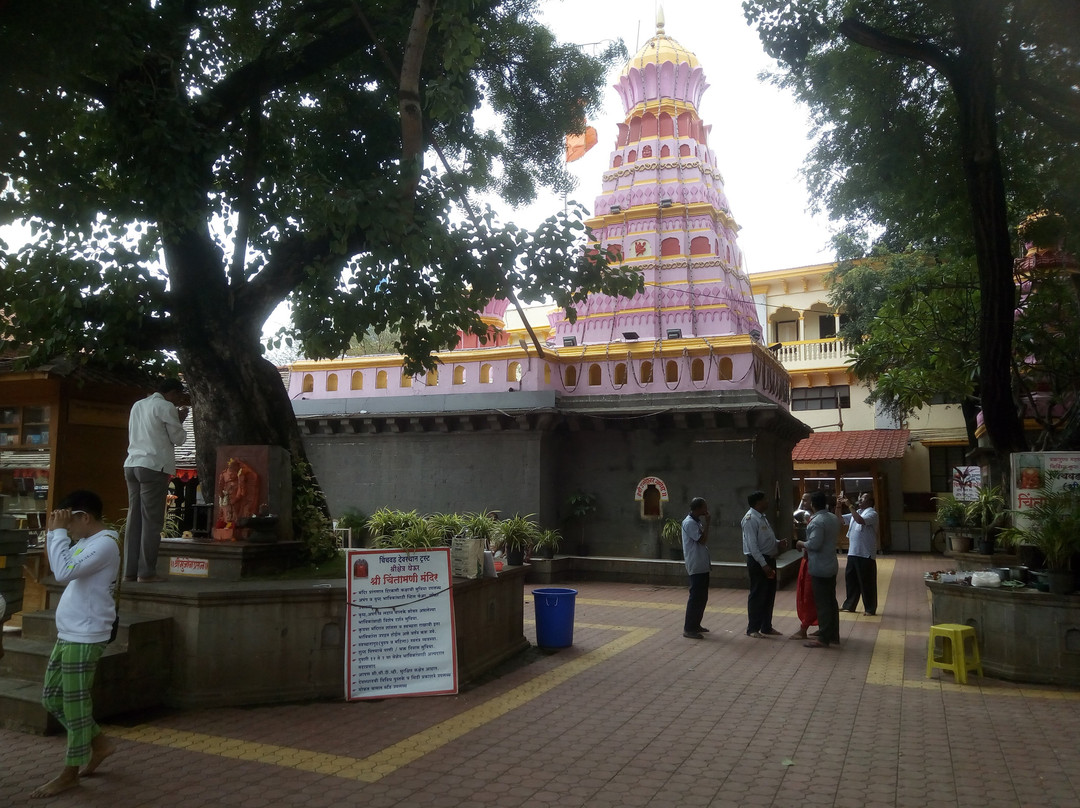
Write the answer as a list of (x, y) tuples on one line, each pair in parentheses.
[(939, 126), (186, 167)]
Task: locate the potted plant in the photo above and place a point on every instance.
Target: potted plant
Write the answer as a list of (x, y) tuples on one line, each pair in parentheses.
[(483, 526), (985, 515), (355, 521), (449, 525), (671, 535), (952, 514), (386, 525), (579, 506), (547, 544), (519, 533), (1052, 526), (950, 511)]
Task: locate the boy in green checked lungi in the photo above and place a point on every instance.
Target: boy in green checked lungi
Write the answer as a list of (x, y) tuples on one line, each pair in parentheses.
[(84, 555)]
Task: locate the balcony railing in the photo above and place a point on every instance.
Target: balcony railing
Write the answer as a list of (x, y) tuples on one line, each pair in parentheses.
[(806, 353)]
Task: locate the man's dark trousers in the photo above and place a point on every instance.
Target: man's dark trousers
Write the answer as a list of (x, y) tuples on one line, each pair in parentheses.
[(860, 580), (696, 602), (759, 604), (828, 614)]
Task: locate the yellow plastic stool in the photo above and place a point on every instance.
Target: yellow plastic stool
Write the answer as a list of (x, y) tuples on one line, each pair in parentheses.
[(953, 654)]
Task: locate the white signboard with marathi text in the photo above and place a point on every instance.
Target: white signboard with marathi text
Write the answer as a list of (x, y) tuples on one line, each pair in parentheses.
[(1060, 471), (402, 640)]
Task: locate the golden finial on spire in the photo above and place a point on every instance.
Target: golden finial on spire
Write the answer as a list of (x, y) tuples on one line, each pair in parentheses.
[(660, 21)]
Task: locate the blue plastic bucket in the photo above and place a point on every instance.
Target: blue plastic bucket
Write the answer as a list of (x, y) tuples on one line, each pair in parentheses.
[(554, 617)]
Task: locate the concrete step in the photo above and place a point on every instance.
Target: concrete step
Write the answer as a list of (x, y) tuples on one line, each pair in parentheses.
[(131, 675), (21, 710), (135, 629)]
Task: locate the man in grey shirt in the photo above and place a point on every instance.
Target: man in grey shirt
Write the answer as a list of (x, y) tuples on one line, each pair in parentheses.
[(820, 546)]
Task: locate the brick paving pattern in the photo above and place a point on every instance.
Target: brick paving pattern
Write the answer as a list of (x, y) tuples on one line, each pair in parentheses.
[(633, 714)]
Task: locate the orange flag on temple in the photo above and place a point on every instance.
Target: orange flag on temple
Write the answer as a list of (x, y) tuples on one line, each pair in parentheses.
[(577, 145)]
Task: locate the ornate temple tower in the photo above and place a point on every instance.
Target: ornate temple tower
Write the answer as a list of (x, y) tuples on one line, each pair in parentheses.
[(644, 402), (663, 208)]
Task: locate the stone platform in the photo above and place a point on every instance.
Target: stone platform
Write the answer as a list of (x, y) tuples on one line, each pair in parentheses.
[(655, 571), (205, 559), (1024, 635), (238, 643)]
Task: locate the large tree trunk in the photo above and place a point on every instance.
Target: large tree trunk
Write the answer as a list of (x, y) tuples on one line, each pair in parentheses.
[(975, 88), (237, 396)]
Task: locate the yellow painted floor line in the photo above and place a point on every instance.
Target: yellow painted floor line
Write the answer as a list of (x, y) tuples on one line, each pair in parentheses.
[(887, 660), (386, 761)]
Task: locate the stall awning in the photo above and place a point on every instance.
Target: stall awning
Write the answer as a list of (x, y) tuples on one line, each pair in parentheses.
[(866, 444)]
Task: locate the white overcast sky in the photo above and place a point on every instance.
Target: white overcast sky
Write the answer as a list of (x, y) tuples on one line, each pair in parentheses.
[(759, 134)]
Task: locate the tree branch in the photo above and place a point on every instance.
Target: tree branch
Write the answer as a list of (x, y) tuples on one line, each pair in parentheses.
[(862, 34), (1026, 94), (276, 70)]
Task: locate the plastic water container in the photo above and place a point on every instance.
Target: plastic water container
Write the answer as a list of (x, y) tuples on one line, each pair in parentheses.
[(554, 617)]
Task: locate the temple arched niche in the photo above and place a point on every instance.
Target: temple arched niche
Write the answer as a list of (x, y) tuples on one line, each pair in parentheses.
[(570, 377), (725, 370), (697, 370), (646, 372), (667, 125), (648, 125), (357, 380), (405, 380), (620, 374), (596, 376), (308, 385), (671, 371), (380, 380), (700, 245), (459, 374), (650, 503), (486, 374), (432, 378), (331, 383), (513, 372)]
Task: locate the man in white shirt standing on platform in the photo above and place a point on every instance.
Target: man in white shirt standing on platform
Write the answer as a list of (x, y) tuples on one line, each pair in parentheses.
[(154, 429), (861, 575)]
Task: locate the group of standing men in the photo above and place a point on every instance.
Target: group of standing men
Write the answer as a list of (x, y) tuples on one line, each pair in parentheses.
[(817, 574)]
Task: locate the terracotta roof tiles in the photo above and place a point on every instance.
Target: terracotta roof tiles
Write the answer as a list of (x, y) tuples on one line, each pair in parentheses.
[(867, 444)]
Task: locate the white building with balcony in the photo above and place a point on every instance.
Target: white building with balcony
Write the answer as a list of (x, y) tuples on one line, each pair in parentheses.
[(853, 448)]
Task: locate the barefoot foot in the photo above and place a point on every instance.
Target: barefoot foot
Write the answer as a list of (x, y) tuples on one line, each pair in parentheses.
[(68, 779), (100, 748)]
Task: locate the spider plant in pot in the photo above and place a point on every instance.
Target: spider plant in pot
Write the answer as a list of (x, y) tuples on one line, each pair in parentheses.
[(449, 525), (671, 535), (547, 544), (483, 526), (950, 511), (519, 533), (985, 514), (385, 525)]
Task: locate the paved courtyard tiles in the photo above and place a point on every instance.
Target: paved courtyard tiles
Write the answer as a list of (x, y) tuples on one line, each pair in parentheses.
[(633, 714)]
